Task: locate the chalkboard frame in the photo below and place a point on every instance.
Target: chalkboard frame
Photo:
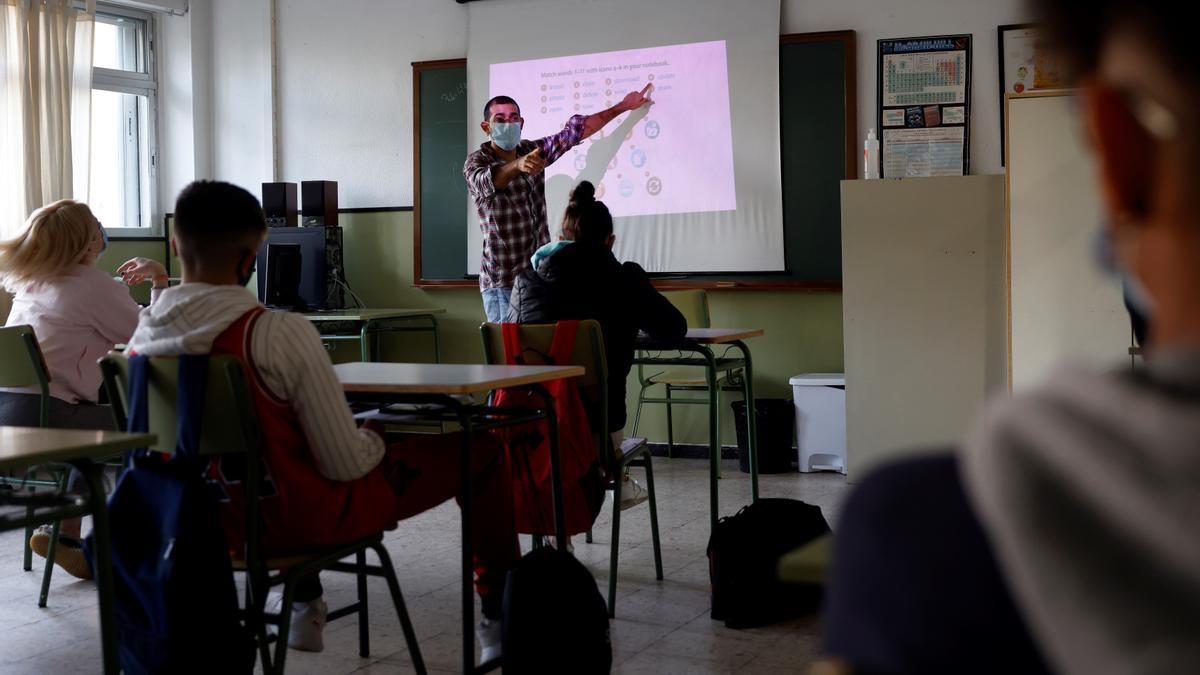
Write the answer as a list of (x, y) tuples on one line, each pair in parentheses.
[(849, 41), (420, 67), (768, 281)]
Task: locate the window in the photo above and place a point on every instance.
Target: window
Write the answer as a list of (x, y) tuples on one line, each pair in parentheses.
[(122, 168)]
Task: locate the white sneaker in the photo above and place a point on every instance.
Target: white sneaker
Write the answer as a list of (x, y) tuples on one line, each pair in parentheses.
[(552, 542), (488, 634), (632, 493), (307, 625)]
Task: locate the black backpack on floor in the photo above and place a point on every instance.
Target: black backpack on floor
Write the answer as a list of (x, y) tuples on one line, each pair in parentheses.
[(555, 619), (743, 561)]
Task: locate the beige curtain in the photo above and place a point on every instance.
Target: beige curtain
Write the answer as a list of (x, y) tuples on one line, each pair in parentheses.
[(45, 105)]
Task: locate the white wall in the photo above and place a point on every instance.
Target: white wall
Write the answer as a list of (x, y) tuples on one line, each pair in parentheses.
[(883, 19), (215, 100), (241, 92), (345, 83), (345, 88), (176, 119)]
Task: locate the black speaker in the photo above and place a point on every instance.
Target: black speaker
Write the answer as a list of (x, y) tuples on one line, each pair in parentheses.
[(279, 204), (319, 203)]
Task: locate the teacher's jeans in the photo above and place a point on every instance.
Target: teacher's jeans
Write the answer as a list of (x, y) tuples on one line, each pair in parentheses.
[(495, 303)]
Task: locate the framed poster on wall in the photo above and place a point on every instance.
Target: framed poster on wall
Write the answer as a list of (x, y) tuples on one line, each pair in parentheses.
[(1025, 66), (924, 115)]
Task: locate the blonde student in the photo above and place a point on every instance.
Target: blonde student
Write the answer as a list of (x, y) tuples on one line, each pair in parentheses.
[(79, 313)]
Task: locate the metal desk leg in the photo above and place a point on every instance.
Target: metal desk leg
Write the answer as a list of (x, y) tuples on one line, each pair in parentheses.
[(556, 489), (94, 473), (468, 570), (714, 443), (751, 419), (437, 340), (364, 346)]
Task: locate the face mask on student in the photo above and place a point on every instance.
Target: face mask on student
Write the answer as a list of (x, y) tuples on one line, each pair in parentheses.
[(1137, 298), (244, 279), (506, 135)]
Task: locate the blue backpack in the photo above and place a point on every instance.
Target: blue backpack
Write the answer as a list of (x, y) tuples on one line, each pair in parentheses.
[(177, 608)]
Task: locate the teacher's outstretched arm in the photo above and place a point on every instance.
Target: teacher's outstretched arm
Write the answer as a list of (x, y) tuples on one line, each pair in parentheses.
[(532, 164), (632, 101)]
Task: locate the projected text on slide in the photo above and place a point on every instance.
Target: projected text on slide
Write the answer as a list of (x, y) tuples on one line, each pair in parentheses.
[(675, 156)]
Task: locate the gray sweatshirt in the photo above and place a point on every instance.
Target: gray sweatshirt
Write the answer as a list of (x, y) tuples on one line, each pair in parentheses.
[(1089, 489)]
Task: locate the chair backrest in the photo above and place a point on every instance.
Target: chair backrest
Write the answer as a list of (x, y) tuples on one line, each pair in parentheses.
[(693, 305), (229, 425), (588, 352), (23, 365), (21, 360)]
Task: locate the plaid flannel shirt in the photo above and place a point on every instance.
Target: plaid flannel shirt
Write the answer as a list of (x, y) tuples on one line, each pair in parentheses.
[(513, 220)]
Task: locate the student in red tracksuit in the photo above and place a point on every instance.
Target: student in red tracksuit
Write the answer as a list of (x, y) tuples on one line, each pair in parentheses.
[(329, 482)]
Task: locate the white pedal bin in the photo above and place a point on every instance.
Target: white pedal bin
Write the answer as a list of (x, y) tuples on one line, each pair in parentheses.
[(820, 400)]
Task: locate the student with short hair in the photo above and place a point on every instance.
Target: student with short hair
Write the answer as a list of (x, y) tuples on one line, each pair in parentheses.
[(578, 277), (1067, 529), (331, 481), (78, 313)]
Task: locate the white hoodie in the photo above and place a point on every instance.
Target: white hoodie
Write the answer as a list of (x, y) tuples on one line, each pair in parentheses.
[(1089, 488), (286, 351)]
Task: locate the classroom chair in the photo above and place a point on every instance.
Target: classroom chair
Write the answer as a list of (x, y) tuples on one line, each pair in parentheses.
[(694, 307), (589, 353), (22, 365), (230, 427)]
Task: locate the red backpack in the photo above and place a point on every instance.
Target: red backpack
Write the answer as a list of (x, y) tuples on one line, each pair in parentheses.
[(529, 448)]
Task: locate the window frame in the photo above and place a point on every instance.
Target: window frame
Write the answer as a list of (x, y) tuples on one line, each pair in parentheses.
[(138, 84)]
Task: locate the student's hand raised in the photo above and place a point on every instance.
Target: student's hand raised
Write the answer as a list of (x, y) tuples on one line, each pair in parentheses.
[(533, 163), (137, 270)]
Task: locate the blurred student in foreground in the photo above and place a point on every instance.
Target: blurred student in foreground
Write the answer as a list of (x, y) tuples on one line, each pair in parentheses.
[(1066, 537)]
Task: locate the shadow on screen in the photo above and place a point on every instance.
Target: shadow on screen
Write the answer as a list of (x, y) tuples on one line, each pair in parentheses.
[(599, 155)]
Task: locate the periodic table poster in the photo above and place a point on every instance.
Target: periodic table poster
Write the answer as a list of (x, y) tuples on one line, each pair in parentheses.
[(924, 115)]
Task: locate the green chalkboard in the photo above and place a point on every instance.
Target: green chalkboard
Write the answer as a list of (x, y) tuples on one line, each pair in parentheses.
[(818, 131), (439, 191), (818, 119)]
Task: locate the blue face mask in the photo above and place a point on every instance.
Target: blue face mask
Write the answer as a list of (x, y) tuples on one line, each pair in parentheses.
[(244, 279), (506, 135), (1137, 298), (104, 238)]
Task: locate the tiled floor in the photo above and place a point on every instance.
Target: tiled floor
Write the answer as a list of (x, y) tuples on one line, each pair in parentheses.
[(660, 627)]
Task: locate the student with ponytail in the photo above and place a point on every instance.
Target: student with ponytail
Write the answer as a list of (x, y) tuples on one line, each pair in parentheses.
[(578, 277)]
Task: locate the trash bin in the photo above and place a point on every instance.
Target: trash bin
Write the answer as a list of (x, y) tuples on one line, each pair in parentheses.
[(775, 423), (820, 421)]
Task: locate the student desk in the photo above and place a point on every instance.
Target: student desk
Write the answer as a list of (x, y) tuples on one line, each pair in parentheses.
[(436, 392), (22, 448), (365, 325), (696, 349)]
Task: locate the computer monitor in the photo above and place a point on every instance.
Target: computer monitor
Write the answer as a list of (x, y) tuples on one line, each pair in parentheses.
[(284, 270), (281, 248)]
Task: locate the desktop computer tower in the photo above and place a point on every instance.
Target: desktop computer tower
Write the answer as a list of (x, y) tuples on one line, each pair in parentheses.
[(335, 270)]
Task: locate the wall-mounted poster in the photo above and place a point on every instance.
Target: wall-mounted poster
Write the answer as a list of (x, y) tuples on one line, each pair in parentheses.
[(1025, 65), (925, 106)]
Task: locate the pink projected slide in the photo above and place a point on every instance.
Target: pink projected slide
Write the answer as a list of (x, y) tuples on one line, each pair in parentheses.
[(675, 156)]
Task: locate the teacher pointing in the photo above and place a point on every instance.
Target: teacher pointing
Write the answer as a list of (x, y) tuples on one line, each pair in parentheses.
[(504, 177)]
